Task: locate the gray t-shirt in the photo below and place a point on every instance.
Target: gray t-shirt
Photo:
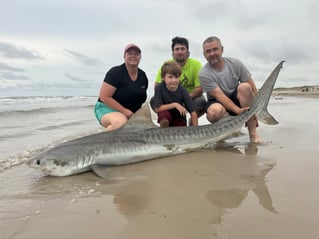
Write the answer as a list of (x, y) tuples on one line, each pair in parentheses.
[(227, 79)]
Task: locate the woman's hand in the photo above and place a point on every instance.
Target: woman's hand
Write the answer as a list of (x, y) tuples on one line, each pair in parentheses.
[(128, 113)]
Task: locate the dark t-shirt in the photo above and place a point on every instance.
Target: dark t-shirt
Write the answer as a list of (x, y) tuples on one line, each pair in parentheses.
[(130, 94), (164, 96)]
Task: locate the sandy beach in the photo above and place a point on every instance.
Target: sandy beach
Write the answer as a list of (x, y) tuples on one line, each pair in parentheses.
[(302, 91), (232, 190)]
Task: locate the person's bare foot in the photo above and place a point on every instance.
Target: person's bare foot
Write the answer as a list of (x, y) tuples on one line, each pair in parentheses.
[(164, 123), (252, 124), (254, 138)]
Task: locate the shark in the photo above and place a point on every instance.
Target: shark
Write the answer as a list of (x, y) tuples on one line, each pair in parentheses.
[(140, 139)]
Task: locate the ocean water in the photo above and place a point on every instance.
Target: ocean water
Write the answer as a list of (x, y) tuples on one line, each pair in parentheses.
[(30, 125)]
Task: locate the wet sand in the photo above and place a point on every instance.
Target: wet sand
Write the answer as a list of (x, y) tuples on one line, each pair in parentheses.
[(233, 190)]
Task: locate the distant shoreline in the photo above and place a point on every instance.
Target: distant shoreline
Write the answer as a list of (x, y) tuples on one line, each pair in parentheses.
[(304, 91)]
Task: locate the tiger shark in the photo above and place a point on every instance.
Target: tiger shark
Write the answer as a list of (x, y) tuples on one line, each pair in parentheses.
[(142, 140)]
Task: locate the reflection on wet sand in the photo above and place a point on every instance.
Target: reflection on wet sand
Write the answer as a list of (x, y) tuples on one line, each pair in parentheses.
[(188, 197), (185, 196)]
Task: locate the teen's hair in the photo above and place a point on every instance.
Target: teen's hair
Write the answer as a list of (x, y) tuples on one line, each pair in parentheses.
[(171, 67), (179, 40)]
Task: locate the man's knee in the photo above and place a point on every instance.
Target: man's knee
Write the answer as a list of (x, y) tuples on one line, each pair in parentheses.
[(215, 112), (245, 91), (244, 87)]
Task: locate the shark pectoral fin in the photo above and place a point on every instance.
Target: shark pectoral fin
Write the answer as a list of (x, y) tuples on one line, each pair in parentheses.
[(141, 118), (101, 171), (266, 118)]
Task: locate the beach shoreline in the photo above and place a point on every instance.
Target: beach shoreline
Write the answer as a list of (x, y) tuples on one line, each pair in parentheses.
[(302, 91)]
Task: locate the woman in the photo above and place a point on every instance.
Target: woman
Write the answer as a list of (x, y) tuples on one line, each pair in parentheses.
[(123, 91)]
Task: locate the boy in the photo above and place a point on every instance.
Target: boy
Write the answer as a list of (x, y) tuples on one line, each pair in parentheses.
[(171, 101)]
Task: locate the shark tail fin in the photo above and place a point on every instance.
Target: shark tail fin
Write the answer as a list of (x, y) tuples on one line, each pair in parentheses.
[(266, 118), (263, 115)]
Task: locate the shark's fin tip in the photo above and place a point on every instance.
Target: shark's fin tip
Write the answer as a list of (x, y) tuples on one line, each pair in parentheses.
[(141, 118)]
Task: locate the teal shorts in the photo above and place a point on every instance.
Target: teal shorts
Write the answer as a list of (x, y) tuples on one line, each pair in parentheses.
[(101, 109)]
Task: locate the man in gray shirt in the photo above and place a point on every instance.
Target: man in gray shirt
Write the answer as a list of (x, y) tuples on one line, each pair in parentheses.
[(228, 84)]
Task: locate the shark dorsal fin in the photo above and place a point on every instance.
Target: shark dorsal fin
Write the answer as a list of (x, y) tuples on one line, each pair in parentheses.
[(141, 118)]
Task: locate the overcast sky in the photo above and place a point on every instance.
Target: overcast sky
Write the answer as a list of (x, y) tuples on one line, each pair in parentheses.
[(62, 47)]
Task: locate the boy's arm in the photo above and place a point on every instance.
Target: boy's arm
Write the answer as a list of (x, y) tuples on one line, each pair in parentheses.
[(194, 118), (182, 110)]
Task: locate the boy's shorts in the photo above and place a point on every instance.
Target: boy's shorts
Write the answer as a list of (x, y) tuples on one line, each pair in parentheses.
[(172, 121), (101, 109)]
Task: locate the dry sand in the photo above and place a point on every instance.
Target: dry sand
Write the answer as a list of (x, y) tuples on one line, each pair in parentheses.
[(235, 190)]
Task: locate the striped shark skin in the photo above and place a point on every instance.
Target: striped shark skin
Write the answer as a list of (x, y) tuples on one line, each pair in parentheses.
[(141, 140)]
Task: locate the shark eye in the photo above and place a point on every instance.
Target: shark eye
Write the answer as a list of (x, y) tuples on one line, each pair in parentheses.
[(38, 161)]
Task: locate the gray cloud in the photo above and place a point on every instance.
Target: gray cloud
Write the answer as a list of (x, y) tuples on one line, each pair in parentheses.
[(86, 60), (230, 13), (74, 78), (6, 67), (80, 83), (293, 52), (12, 51), (71, 86), (11, 76)]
